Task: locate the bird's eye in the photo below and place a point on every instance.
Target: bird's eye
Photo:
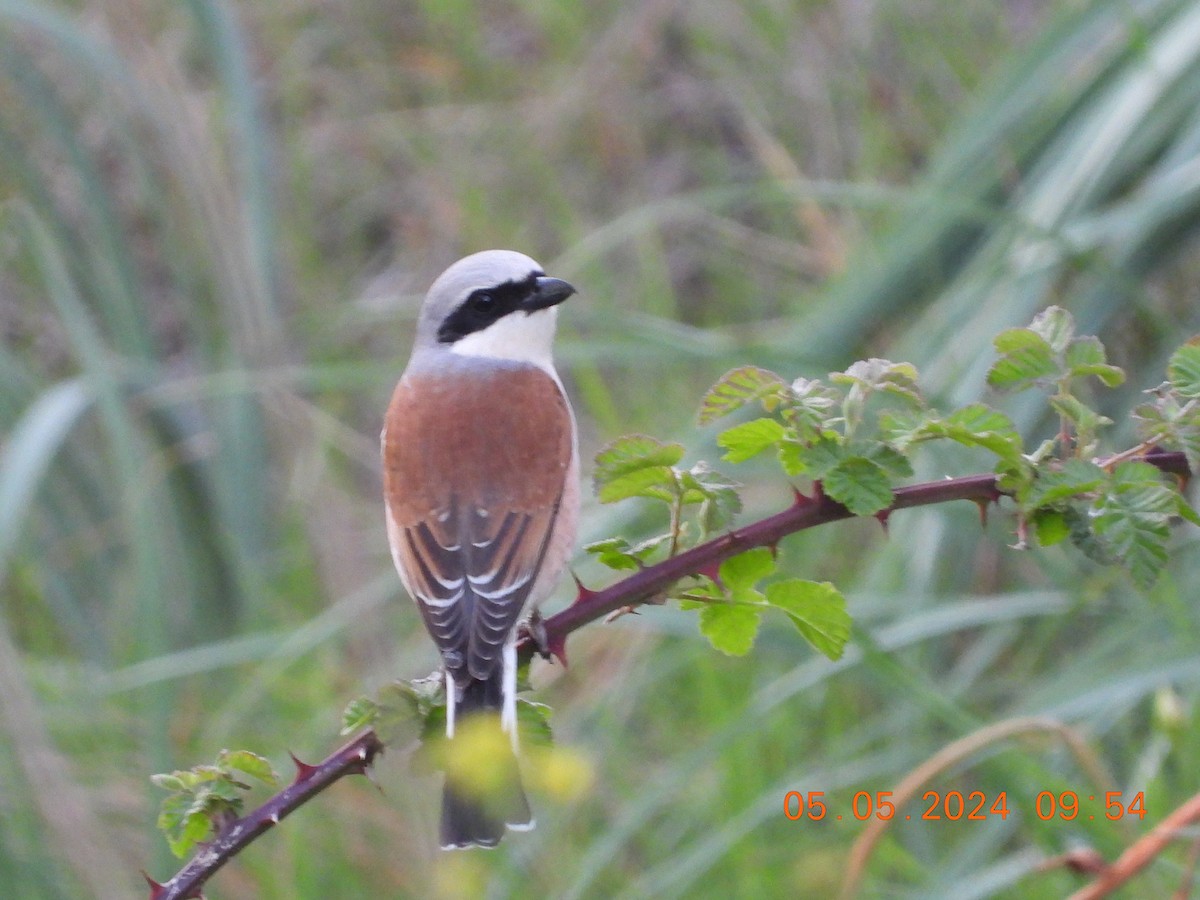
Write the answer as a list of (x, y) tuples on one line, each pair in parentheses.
[(482, 302)]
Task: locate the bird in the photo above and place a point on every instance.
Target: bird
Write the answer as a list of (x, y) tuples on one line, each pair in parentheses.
[(481, 488)]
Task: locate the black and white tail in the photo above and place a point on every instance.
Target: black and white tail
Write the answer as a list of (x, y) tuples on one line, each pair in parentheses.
[(476, 814)]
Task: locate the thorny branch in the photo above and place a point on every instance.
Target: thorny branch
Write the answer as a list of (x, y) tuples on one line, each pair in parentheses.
[(357, 756)]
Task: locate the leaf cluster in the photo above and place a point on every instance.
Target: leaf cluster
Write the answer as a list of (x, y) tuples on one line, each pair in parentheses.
[(1117, 510), (203, 799), (854, 436)]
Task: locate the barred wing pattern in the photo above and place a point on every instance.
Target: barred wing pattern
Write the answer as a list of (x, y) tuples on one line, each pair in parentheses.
[(469, 545), (471, 575)]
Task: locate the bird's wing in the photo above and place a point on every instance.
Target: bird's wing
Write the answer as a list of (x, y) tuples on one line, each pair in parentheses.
[(474, 468)]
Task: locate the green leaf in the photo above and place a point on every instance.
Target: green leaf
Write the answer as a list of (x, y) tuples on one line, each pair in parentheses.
[(737, 388), (887, 457), (981, 426), (173, 810), (1183, 369), (860, 485), (248, 763), (730, 627), (618, 553), (1051, 527), (401, 710), (1072, 478), (807, 408), (1085, 419), (1132, 518), (1025, 359), (818, 458), (654, 482), (817, 609), (197, 826), (636, 465), (716, 493), (741, 442), (1086, 356), (747, 569), (168, 782), (614, 552), (1056, 326), (884, 375), (1171, 424), (359, 714), (792, 458), (533, 722)]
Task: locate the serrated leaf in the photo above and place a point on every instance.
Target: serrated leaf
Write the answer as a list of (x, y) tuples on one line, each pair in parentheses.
[(739, 387), (1086, 356), (653, 482), (820, 457), (792, 458), (1056, 326), (1183, 369), (1025, 359), (622, 466), (1072, 478), (888, 458), (818, 611), (248, 763), (860, 485), (981, 426), (741, 442), (1132, 518), (747, 569), (730, 627)]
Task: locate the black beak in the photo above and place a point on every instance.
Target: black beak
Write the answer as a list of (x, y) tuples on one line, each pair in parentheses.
[(547, 292)]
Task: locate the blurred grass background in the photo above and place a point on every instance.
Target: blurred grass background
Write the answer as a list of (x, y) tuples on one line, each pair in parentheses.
[(216, 224)]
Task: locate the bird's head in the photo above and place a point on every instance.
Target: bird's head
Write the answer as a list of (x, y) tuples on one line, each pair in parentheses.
[(498, 304)]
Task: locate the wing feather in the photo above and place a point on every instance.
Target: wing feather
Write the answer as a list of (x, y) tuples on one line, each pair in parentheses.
[(473, 488)]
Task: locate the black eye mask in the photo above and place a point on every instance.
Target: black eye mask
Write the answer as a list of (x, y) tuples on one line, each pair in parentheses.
[(487, 305)]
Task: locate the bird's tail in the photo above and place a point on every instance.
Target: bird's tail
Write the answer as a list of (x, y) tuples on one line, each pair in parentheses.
[(483, 794)]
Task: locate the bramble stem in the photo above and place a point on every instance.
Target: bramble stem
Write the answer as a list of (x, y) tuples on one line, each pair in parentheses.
[(357, 756)]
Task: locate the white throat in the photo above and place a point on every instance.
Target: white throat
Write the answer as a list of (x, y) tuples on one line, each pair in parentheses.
[(518, 336)]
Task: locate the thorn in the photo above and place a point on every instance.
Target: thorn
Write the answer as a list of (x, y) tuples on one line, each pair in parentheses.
[(582, 594), (801, 499), (774, 548), (711, 571), (983, 511), (303, 770), (156, 889), (882, 517)]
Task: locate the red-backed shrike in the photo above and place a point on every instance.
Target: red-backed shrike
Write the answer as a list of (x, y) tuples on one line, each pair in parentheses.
[(481, 483)]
